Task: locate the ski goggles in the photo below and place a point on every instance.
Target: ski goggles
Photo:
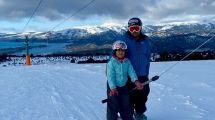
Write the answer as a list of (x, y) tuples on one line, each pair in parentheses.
[(134, 28), (120, 46)]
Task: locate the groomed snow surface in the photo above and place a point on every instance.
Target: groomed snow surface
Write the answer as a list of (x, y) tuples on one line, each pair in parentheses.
[(66, 91)]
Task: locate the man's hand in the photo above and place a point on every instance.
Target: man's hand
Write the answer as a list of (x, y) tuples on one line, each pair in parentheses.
[(138, 85), (113, 92)]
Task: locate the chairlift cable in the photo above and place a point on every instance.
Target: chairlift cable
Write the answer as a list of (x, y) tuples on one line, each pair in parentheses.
[(30, 18), (76, 12), (166, 70)]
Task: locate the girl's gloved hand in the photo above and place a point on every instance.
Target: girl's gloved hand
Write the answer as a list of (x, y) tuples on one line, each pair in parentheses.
[(113, 92), (138, 85)]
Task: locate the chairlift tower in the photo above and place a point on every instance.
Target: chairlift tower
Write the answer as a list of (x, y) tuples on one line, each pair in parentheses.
[(28, 58)]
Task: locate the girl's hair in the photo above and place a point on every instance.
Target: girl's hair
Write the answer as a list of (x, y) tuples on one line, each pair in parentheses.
[(114, 52)]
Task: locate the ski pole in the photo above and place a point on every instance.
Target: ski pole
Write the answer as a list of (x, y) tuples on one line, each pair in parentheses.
[(145, 83)]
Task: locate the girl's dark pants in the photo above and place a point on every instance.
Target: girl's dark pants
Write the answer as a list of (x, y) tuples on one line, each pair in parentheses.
[(119, 103)]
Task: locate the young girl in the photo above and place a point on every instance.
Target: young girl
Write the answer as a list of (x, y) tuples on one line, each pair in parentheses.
[(118, 70)]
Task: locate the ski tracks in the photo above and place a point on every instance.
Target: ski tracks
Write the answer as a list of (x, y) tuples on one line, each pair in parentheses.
[(182, 96), (67, 92)]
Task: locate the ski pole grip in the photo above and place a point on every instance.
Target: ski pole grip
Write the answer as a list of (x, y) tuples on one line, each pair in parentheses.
[(155, 78)]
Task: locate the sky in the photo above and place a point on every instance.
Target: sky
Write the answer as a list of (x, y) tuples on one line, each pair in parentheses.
[(65, 91), (14, 14)]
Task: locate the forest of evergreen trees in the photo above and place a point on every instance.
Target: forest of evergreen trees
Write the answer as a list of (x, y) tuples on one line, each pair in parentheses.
[(103, 58)]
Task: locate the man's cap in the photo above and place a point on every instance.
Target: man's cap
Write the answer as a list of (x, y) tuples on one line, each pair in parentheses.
[(134, 21)]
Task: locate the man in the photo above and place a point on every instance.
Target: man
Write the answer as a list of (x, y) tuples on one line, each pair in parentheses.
[(139, 55)]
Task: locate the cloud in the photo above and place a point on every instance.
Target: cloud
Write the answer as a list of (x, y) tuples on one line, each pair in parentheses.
[(7, 30), (148, 10), (1, 2)]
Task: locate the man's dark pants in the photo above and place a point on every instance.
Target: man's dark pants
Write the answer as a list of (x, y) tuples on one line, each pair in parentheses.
[(138, 98)]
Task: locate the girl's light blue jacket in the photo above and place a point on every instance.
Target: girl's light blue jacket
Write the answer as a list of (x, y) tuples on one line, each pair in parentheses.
[(118, 72)]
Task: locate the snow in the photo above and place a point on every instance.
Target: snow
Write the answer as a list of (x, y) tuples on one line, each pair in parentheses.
[(92, 29), (103, 28), (167, 27), (66, 91)]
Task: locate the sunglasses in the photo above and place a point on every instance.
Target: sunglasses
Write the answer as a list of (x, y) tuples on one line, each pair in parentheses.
[(134, 28)]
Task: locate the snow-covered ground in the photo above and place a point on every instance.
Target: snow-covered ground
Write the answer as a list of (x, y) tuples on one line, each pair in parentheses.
[(66, 91)]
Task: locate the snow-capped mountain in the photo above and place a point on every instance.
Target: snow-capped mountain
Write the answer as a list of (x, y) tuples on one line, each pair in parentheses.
[(97, 30), (170, 37)]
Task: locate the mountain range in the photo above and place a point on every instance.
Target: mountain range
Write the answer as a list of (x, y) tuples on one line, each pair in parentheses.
[(98, 39)]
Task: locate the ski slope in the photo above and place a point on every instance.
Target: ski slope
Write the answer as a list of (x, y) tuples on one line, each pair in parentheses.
[(67, 91)]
